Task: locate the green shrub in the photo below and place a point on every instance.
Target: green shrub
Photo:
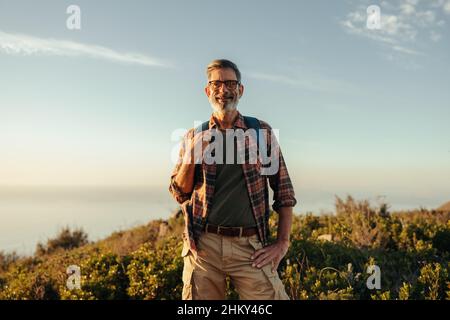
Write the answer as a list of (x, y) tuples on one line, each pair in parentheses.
[(103, 277), (155, 273), (411, 249), (432, 281), (21, 284), (65, 240)]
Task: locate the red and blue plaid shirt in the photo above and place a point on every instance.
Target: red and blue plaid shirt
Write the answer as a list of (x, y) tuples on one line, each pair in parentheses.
[(197, 204)]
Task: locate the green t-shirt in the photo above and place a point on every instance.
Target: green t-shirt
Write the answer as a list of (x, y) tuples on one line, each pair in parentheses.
[(231, 204)]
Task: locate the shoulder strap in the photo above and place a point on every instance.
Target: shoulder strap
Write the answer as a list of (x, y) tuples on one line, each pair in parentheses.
[(254, 123), (203, 127)]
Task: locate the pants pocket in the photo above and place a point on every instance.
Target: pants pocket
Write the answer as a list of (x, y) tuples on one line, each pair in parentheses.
[(186, 248), (188, 285), (279, 292), (254, 242)]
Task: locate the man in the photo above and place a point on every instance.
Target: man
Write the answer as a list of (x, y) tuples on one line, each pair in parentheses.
[(226, 204)]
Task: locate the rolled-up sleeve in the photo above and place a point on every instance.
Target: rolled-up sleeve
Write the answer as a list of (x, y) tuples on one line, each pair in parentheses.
[(280, 182), (283, 191), (174, 189)]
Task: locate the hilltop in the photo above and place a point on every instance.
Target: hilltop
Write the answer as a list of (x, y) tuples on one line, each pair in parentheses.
[(327, 259), (444, 207)]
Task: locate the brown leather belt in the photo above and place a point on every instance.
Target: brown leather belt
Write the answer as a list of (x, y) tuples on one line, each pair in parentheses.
[(231, 231)]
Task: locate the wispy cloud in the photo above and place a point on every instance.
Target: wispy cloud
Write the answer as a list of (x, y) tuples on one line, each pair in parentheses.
[(447, 7), (26, 45), (309, 82), (444, 4), (406, 25)]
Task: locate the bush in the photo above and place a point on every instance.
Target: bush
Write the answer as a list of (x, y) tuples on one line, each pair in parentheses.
[(103, 277), (441, 241), (7, 259), (410, 248), (432, 281), (21, 284), (155, 273), (65, 240)]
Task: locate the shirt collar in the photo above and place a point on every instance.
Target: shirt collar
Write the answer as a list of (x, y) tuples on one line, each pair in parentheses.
[(238, 123)]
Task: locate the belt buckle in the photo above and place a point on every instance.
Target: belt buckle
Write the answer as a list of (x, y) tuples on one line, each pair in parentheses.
[(241, 229), (218, 230)]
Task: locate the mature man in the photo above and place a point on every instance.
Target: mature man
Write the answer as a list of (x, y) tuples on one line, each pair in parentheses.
[(226, 203)]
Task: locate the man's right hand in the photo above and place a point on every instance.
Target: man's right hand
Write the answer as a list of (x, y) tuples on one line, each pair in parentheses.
[(193, 153)]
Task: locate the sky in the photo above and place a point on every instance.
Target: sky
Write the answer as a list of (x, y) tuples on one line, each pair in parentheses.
[(359, 111)]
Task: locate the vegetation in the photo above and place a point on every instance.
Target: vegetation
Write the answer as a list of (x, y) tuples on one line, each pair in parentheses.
[(328, 258)]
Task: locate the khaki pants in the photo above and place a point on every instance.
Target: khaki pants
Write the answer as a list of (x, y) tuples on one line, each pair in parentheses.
[(219, 256)]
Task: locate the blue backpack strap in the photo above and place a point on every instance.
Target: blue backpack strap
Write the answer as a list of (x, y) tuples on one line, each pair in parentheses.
[(254, 123), (203, 127)]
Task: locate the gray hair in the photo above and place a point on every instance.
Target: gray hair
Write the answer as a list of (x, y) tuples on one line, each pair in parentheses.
[(222, 64)]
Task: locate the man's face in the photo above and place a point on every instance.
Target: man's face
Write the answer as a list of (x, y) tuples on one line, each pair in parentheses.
[(221, 97)]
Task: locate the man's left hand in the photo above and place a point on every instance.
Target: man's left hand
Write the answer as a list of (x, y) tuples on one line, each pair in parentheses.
[(272, 253)]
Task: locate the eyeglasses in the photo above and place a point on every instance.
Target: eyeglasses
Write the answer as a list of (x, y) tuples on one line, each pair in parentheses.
[(230, 84)]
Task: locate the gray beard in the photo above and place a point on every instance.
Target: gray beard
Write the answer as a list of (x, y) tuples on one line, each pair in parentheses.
[(217, 108)]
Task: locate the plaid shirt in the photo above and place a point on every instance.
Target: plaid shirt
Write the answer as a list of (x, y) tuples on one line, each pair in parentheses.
[(197, 204)]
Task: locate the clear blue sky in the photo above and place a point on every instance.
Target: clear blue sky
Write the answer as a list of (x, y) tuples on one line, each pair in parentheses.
[(359, 111)]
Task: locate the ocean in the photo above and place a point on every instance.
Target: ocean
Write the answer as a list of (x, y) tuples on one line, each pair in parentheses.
[(29, 215)]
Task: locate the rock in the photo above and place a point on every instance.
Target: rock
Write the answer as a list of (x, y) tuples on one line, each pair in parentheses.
[(325, 237)]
